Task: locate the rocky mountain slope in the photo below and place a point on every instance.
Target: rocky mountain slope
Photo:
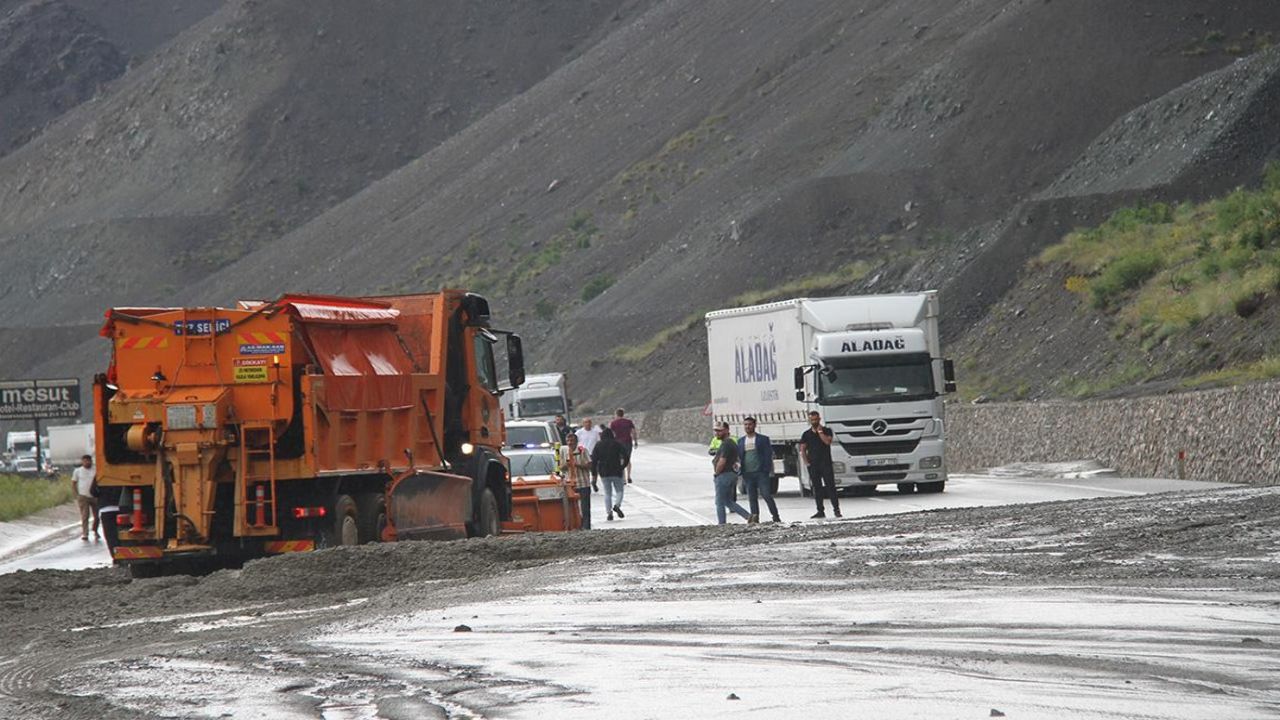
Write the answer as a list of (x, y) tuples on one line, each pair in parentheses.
[(606, 174)]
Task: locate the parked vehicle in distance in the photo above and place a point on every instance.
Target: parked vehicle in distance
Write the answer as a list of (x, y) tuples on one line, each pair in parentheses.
[(878, 377), (27, 465), (68, 443), (531, 434), (541, 397)]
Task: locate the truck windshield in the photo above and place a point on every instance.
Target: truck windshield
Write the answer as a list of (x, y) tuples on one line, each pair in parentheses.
[(538, 407), (889, 378)]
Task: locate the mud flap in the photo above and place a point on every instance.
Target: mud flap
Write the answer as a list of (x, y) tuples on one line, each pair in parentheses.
[(428, 506)]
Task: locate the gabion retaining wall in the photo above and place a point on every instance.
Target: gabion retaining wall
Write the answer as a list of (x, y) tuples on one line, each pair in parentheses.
[(1227, 435)]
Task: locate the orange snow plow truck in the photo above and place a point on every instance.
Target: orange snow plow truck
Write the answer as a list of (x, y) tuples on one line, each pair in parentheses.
[(302, 423)]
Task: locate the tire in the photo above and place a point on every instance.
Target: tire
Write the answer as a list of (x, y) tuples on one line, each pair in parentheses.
[(906, 488), (372, 517), (932, 487), (346, 522), (487, 522)]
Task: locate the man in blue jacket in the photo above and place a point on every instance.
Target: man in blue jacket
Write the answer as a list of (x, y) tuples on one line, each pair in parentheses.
[(757, 470)]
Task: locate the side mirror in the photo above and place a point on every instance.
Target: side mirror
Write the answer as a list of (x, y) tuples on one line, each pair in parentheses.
[(800, 395), (799, 378), (570, 408), (515, 360), (949, 375)]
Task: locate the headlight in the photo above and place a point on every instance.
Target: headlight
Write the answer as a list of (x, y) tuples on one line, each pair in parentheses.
[(837, 468), (933, 462), (933, 428), (468, 448)]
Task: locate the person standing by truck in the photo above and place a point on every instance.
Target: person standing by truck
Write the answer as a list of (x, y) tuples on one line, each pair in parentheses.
[(757, 470), (815, 449), (82, 481), (610, 461), (562, 428), (577, 468), (725, 477), (624, 431)]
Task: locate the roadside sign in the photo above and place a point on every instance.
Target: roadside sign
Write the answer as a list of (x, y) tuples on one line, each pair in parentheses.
[(34, 399)]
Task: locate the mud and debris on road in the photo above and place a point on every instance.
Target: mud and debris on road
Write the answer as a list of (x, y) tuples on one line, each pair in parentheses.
[(63, 627)]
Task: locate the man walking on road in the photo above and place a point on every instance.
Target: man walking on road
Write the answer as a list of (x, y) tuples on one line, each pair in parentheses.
[(725, 477), (624, 431), (609, 461), (577, 467), (82, 481), (815, 449), (757, 470)]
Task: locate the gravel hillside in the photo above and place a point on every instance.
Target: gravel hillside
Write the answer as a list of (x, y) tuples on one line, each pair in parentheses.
[(605, 176)]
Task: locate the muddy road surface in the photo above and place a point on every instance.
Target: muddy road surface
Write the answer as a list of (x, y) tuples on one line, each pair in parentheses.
[(1156, 606)]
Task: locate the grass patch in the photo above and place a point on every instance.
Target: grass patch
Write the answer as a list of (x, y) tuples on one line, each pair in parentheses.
[(1163, 269), (1264, 369), (636, 353), (20, 497)]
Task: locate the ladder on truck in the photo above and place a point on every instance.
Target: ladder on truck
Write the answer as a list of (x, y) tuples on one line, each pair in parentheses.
[(256, 493)]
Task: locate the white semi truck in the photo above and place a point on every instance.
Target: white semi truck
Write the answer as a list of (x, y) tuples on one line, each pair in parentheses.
[(541, 397), (871, 365), (69, 443)]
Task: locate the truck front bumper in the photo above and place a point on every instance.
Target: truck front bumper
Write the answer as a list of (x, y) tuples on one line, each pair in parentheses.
[(927, 464)]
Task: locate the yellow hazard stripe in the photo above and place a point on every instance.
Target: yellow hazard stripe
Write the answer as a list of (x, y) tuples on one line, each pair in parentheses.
[(143, 343), (261, 338), (137, 552), (289, 546)]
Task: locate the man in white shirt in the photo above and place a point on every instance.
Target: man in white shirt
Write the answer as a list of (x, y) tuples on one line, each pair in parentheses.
[(588, 436), (82, 480)]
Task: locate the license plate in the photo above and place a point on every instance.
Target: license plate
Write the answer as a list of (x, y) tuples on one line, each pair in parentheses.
[(882, 461)]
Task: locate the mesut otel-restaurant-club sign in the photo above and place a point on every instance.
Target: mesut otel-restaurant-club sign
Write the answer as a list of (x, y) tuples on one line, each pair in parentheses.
[(35, 399)]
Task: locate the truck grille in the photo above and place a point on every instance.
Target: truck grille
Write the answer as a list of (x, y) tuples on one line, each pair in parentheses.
[(888, 447), (880, 468), (883, 477)]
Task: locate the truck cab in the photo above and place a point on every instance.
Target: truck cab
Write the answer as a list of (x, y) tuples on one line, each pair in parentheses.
[(878, 380)]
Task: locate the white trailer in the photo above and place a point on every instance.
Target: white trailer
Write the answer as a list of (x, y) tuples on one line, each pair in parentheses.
[(68, 443), (871, 365), (541, 397)]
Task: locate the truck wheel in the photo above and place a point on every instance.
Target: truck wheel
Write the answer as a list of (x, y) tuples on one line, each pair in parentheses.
[(346, 522), (906, 488), (373, 517), (933, 487), (488, 522)]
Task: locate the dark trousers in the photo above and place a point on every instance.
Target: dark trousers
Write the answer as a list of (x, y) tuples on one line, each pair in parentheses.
[(759, 483), (584, 500), (822, 478)]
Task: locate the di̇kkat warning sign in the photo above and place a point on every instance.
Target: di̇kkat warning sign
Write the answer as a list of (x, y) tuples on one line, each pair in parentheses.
[(28, 399), (251, 370)]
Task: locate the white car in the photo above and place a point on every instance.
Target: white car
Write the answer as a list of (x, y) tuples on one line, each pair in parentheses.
[(530, 434), (531, 465)]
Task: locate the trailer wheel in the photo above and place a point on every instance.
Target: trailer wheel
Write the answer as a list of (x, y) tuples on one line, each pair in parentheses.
[(932, 487), (373, 517), (906, 488), (488, 524), (346, 521)]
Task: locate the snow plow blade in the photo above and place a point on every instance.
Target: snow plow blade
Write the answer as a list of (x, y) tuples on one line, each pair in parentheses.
[(428, 506), (543, 506)]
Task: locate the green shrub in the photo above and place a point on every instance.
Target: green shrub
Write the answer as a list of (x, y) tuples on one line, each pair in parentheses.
[(1126, 273), (544, 309), (595, 286)]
